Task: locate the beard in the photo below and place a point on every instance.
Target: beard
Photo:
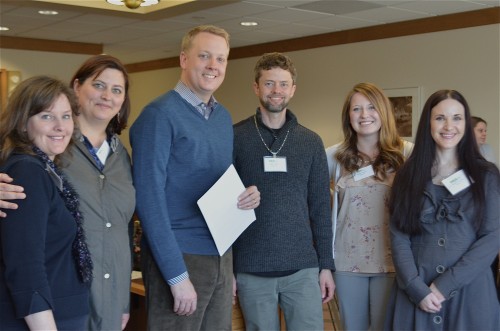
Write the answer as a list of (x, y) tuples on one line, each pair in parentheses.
[(272, 108)]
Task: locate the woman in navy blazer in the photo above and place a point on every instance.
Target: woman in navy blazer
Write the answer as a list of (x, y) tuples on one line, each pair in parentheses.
[(45, 267)]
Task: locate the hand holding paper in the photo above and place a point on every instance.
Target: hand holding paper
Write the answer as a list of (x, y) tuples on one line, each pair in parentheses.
[(219, 208)]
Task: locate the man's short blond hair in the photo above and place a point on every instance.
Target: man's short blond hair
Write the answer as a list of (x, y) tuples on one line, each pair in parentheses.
[(187, 40)]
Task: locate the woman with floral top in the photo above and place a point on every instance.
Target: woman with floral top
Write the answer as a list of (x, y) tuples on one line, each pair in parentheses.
[(362, 168)]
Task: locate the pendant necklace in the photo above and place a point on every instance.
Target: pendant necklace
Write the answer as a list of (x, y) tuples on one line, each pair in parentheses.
[(262, 139)]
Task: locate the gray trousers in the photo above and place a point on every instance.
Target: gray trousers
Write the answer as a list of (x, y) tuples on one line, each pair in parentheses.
[(298, 296), (363, 299), (212, 278)]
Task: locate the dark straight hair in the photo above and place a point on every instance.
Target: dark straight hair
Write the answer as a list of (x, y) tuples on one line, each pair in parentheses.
[(412, 178)]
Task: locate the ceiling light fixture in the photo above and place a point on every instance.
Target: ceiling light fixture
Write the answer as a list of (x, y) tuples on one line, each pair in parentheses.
[(249, 23), (133, 4), (4, 28), (47, 12)]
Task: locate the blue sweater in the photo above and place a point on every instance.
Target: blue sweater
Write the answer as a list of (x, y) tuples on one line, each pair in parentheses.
[(177, 156)]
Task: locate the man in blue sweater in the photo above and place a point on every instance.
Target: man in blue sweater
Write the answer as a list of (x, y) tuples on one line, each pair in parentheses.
[(182, 143), (285, 257)]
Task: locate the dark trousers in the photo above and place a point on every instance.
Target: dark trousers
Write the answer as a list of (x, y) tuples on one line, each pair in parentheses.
[(212, 278)]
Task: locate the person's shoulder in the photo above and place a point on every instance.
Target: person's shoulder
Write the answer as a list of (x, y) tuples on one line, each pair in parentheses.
[(158, 110), (309, 136), (490, 170), (306, 131), (242, 124), (22, 160), (164, 100), (330, 150), (26, 169)]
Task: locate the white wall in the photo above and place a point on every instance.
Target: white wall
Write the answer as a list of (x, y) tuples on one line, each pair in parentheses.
[(467, 60), (32, 63)]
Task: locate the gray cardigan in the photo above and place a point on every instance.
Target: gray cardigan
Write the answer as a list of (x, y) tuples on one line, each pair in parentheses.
[(107, 202), (450, 253)]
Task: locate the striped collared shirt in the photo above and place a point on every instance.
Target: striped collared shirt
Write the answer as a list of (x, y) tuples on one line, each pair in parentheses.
[(203, 108)]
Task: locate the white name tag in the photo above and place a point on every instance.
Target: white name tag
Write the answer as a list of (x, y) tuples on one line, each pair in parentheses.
[(363, 173), (456, 182), (275, 164)]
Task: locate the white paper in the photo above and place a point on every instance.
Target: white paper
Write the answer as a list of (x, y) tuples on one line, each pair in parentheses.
[(218, 205)]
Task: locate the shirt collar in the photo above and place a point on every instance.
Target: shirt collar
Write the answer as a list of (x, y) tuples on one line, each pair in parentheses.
[(191, 97)]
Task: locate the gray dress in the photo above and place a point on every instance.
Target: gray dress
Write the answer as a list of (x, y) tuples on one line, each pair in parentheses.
[(107, 200), (453, 256)]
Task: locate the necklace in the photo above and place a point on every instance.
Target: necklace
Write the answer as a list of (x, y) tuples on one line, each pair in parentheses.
[(262, 139), (365, 162)]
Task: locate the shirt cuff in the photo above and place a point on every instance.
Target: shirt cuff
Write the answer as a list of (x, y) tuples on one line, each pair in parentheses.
[(178, 279)]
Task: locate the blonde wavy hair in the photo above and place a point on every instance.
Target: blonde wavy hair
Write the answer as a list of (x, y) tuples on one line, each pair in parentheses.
[(390, 145)]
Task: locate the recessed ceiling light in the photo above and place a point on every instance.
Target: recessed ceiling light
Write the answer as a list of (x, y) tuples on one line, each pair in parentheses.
[(47, 12), (249, 23), (4, 28)]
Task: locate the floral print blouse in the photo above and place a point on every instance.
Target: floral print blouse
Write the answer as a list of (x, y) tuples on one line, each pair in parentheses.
[(362, 242)]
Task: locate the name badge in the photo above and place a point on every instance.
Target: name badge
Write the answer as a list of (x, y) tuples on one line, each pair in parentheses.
[(363, 173), (456, 182), (275, 164)]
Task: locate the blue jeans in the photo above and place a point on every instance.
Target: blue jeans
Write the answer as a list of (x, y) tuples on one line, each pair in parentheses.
[(298, 295)]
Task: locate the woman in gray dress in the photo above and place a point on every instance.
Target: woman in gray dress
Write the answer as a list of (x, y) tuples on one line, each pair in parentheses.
[(445, 226)]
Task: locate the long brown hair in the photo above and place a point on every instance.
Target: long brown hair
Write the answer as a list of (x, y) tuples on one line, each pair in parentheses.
[(390, 144)]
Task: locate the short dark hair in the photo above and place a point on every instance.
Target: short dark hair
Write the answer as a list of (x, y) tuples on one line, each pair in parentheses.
[(476, 120), (93, 67), (269, 61)]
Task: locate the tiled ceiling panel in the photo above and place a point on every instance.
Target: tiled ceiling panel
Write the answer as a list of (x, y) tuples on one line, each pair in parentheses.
[(338, 7), (137, 37)]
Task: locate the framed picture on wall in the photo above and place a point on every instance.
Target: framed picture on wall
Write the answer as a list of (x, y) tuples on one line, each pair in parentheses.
[(8, 81), (406, 104)]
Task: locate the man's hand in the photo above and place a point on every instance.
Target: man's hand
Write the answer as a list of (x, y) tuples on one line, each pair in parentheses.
[(235, 290), (327, 285), (9, 192), (250, 199), (185, 298)]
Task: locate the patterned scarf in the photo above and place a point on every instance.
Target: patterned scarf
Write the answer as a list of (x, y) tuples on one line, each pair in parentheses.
[(80, 250)]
